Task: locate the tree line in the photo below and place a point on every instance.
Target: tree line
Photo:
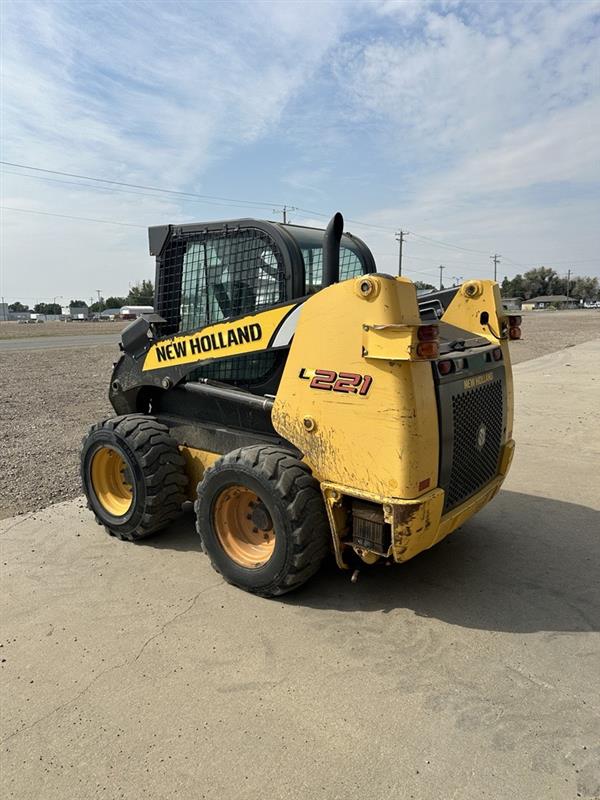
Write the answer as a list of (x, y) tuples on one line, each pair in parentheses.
[(141, 294), (538, 282), (544, 281)]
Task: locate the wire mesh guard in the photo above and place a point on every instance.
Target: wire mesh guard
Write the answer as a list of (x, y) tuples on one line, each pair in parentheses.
[(476, 447), (207, 277), (350, 266)]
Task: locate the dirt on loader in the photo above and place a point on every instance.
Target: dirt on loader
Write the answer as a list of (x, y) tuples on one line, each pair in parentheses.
[(49, 398)]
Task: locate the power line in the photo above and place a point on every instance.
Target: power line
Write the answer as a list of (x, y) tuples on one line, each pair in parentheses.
[(70, 216), (446, 244), (256, 203), (138, 186), (227, 201), (113, 190)]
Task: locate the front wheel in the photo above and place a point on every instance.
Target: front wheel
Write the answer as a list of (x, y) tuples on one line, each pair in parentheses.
[(133, 475), (262, 520)]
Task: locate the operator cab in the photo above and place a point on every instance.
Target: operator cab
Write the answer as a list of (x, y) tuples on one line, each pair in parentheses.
[(206, 273)]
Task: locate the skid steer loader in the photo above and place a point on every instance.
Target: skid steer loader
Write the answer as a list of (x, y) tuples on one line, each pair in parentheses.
[(304, 402)]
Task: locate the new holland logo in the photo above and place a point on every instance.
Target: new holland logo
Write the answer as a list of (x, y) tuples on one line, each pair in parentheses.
[(478, 380), (198, 345), (271, 328)]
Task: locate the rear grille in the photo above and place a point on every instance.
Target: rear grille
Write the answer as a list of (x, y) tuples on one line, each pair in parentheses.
[(477, 417)]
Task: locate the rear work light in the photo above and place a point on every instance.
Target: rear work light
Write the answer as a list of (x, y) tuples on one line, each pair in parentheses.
[(514, 327), (428, 346)]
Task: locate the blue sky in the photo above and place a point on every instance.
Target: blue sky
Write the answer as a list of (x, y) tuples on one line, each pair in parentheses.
[(472, 124)]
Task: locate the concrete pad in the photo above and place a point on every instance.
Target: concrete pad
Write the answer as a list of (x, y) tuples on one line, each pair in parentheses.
[(472, 671)]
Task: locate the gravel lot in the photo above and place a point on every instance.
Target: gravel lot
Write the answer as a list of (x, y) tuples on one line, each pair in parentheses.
[(51, 397), (12, 330)]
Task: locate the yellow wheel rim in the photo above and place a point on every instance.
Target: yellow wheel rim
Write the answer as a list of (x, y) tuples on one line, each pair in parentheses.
[(244, 527), (108, 473)]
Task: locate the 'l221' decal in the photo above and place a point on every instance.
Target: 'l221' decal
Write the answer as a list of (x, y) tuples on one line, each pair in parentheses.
[(330, 381)]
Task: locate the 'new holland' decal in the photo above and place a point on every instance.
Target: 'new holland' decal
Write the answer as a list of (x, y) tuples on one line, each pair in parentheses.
[(269, 329)]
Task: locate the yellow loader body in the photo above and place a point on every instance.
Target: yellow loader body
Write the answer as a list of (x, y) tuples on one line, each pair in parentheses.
[(383, 445)]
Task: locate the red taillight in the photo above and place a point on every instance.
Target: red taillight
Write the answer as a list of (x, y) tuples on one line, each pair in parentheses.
[(445, 367), (428, 349), (514, 322), (427, 333), (514, 333), (497, 354)]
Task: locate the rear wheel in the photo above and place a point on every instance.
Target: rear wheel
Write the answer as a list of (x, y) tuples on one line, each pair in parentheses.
[(261, 519), (133, 475)]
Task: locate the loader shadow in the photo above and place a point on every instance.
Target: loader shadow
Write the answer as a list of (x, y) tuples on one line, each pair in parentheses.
[(181, 535), (523, 564)]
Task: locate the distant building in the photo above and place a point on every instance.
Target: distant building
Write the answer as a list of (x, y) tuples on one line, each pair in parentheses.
[(549, 301), (79, 312), (110, 313), (512, 303), (4, 312), (133, 312)]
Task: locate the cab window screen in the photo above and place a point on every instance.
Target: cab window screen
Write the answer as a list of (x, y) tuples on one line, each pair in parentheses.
[(229, 275), (350, 266)]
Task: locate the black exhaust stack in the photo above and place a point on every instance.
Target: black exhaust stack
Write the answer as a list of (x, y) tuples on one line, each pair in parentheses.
[(331, 249)]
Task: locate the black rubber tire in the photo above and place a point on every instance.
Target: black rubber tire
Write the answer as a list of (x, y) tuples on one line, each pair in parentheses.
[(157, 469), (293, 498)]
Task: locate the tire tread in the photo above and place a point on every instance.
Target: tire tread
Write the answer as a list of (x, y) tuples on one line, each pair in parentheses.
[(293, 483)]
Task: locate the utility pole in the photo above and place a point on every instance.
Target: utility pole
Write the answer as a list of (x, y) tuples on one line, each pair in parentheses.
[(284, 212), (568, 282), (495, 258), (441, 268), (400, 239)]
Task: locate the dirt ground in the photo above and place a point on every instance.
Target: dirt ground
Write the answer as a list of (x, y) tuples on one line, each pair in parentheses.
[(12, 330), (49, 398), (549, 331)]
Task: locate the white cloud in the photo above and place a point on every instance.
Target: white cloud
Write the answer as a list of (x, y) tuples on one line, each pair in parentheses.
[(493, 111), (473, 123), (140, 92)]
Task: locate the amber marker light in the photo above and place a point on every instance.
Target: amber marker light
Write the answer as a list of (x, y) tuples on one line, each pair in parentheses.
[(428, 333), (428, 350)]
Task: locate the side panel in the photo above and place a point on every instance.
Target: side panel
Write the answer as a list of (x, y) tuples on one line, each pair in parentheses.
[(365, 423), (196, 464), (477, 307)]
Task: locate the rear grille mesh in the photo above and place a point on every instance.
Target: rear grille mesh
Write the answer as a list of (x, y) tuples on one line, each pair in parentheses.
[(477, 416)]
